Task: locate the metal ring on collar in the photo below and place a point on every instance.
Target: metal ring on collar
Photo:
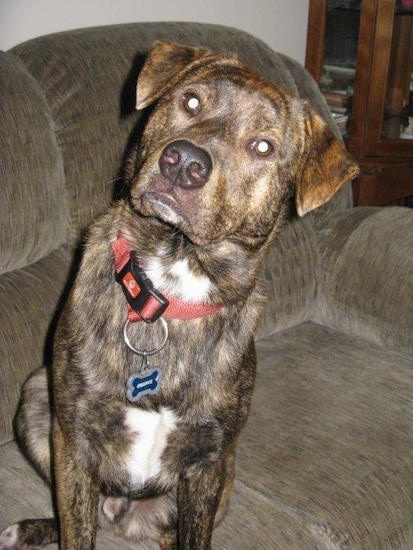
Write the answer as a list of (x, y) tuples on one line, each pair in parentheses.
[(146, 353)]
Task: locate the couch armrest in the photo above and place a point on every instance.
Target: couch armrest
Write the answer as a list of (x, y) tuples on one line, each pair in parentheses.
[(366, 275), (33, 209)]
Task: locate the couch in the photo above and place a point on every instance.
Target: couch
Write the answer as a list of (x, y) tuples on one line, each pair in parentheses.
[(326, 459)]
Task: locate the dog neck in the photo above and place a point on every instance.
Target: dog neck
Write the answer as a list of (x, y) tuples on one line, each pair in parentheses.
[(145, 302), (223, 272)]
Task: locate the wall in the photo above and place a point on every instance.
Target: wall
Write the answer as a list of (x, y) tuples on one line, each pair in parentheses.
[(280, 23)]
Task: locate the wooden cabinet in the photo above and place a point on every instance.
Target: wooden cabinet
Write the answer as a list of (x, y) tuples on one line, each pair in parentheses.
[(378, 91)]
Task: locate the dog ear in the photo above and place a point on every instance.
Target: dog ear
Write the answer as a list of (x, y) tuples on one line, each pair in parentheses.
[(161, 68), (327, 166)]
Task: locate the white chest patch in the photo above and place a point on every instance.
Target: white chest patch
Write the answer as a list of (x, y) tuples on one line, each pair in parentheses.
[(179, 280), (189, 286), (149, 431)]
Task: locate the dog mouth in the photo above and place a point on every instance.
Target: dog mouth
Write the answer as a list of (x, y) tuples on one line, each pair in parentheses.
[(161, 199), (175, 207), (162, 205)]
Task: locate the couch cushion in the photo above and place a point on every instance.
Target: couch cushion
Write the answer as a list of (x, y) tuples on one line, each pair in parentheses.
[(23, 495), (331, 436), (325, 459), (249, 524)]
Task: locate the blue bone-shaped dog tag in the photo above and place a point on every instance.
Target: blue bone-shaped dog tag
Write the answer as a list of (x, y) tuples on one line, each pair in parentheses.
[(142, 385)]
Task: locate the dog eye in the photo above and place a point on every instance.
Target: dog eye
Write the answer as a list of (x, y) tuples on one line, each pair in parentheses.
[(191, 103), (262, 147)]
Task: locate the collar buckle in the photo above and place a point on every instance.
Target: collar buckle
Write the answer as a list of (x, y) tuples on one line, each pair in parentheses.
[(139, 291)]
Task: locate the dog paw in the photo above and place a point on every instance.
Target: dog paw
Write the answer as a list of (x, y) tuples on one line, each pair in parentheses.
[(113, 508), (9, 538)]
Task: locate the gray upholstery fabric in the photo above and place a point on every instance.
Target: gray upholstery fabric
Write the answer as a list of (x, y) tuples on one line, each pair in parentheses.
[(290, 276), (325, 461), (31, 171), (333, 436), (367, 276), (29, 298)]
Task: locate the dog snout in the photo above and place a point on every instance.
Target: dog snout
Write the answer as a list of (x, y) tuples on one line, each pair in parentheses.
[(185, 164)]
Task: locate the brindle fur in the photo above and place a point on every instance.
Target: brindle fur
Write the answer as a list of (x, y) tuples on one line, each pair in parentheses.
[(222, 230)]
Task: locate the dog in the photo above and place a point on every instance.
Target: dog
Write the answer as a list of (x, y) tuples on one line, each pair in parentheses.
[(154, 360)]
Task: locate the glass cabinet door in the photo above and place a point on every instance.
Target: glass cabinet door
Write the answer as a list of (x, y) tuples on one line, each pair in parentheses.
[(339, 57), (398, 103), (377, 34), (384, 98), (360, 52)]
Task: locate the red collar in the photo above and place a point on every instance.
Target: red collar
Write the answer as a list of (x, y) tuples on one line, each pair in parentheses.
[(145, 303)]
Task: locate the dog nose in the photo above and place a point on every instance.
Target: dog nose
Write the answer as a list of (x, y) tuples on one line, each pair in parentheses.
[(185, 164)]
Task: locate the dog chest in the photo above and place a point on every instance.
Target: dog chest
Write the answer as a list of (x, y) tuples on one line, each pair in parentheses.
[(147, 432)]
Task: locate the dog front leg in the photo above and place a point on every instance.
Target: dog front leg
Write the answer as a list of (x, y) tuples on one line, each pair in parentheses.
[(77, 498), (199, 492)]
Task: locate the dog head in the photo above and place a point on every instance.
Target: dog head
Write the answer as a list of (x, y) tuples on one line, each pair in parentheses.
[(225, 149)]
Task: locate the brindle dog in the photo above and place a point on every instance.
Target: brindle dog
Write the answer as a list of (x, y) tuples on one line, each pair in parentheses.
[(210, 186)]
